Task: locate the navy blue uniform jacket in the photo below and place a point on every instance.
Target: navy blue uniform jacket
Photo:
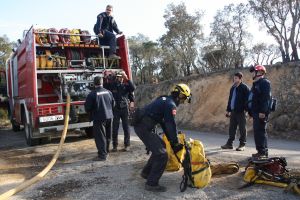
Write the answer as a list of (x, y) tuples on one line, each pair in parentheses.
[(163, 111), (99, 104), (105, 23), (121, 92), (261, 98)]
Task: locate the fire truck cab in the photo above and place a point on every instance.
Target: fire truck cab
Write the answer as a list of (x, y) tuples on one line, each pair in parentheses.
[(48, 64)]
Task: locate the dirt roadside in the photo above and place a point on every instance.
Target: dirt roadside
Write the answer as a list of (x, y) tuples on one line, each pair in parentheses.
[(76, 176)]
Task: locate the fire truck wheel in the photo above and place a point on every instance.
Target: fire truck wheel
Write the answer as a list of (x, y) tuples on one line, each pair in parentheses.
[(28, 134), (89, 132)]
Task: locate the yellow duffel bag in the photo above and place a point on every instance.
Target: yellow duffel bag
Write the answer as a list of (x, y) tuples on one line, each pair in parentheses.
[(173, 163), (197, 171), (200, 167)]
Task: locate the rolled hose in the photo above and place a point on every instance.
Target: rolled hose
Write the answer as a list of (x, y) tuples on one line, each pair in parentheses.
[(40, 175)]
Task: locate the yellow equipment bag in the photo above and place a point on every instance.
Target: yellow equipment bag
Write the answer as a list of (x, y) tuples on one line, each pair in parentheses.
[(43, 61), (173, 163), (197, 172), (271, 171), (37, 61), (200, 167), (75, 39), (49, 59)]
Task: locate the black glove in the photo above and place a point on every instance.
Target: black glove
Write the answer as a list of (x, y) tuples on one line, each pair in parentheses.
[(177, 147)]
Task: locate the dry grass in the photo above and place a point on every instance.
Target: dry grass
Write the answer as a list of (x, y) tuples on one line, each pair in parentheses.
[(4, 121)]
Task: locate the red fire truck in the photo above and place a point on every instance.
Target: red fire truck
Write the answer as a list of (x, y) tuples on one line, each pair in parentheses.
[(48, 64)]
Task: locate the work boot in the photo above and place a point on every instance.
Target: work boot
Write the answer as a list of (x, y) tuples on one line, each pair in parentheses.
[(259, 155), (144, 175), (227, 146), (114, 56), (126, 148), (99, 158), (241, 147), (114, 149), (156, 188)]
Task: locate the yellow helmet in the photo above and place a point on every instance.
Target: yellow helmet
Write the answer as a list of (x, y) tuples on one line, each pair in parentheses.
[(183, 89)]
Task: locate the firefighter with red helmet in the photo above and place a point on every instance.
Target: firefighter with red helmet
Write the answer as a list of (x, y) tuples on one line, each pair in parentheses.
[(258, 104)]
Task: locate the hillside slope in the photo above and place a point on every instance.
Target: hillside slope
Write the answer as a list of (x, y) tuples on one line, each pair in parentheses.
[(210, 95)]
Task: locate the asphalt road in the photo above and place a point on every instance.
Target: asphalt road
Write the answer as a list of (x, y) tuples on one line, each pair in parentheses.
[(212, 142), (277, 147), (76, 176)]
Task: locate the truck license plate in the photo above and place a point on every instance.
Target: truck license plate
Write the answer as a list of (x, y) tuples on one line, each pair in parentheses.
[(51, 118)]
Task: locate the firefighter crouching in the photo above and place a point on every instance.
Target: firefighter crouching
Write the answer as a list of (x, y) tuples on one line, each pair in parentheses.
[(161, 111)]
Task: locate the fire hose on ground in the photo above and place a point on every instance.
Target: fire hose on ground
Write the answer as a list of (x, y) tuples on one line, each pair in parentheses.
[(40, 176)]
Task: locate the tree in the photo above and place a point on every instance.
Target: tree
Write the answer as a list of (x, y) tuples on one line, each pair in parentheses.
[(179, 44), (281, 18), (144, 58), (5, 49), (229, 36), (264, 54)]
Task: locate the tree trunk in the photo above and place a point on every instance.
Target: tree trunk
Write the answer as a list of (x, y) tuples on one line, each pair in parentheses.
[(295, 56), (282, 53), (287, 54)]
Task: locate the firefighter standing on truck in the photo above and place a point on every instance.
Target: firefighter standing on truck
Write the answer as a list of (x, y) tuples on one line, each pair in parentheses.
[(99, 104), (161, 111), (105, 28), (122, 89), (259, 100)]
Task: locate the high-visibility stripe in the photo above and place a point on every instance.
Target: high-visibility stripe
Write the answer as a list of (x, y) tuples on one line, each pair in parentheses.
[(100, 93)]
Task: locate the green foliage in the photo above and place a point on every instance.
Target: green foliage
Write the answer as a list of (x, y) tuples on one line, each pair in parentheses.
[(3, 114), (144, 57), (229, 37), (5, 50), (180, 43), (175, 54), (183, 50), (282, 20)]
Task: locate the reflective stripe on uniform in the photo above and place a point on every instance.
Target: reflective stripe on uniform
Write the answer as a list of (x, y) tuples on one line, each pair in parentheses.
[(101, 93)]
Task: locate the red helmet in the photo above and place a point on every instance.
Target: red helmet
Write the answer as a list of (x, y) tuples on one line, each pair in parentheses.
[(258, 68)]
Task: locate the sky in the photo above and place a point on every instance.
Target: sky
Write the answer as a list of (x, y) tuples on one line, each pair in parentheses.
[(132, 16)]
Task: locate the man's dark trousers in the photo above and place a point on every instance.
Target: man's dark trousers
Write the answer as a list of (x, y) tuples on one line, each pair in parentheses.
[(158, 160), (260, 134), (109, 38), (123, 115), (237, 119), (102, 135)]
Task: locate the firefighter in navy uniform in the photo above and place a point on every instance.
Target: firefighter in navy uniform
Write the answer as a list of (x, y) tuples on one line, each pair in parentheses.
[(259, 101), (105, 28), (99, 104), (161, 111), (122, 89)]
